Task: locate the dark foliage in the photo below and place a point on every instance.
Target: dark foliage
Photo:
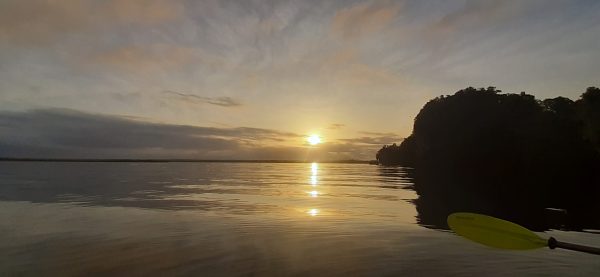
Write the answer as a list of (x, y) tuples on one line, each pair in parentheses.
[(504, 154), (403, 154), (589, 112)]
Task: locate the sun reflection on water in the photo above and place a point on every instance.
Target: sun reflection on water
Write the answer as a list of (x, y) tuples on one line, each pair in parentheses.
[(314, 170)]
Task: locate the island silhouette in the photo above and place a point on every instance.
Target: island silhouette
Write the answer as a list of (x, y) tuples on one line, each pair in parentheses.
[(534, 162)]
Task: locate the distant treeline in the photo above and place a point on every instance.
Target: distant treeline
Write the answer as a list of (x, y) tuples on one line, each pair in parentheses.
[(480, 148)]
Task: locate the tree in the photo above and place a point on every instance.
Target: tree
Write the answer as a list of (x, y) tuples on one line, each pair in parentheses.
[(589, 111), (403, 154)]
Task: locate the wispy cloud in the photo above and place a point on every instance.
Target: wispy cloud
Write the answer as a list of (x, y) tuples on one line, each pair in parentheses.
[(336, 126), (375, 138), (222, 101), (380, 141), (142, 59), (363, 19), (481, 14), (38, 22), (379, 134)]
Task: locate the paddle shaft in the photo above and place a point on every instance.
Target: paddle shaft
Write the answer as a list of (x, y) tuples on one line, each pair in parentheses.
[(553, 243)]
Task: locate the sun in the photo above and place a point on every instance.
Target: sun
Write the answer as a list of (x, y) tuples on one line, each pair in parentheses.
[(313, 139)]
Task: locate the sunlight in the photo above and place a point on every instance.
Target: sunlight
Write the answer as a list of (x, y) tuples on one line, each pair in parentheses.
[(313, 212), (314, 193), (313, 139)]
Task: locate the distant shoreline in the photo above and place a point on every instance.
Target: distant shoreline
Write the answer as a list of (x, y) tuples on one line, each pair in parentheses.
[(171, 161)]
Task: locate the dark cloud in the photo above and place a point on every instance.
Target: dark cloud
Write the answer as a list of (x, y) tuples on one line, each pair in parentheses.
[(193, 98), (68, 133), (61, 133)]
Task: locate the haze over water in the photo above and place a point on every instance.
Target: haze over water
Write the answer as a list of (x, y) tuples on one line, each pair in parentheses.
[(240, 219)]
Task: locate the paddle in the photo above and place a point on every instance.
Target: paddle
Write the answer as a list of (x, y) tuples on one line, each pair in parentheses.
[(503, 234)]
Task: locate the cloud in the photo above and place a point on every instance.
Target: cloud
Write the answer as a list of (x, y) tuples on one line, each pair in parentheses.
[(143, 59), (38, 22), (193, 98), (346, 149), (143, 11), (68, 133), (61, 133), (336, 126), (363, 19), (346, 69), (31, 22), (374, 138), (479, 14), (380, 134), (372, 63)]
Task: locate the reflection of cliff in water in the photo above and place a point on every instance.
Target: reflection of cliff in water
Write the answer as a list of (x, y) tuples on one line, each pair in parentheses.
[(395, 177), (553, 208)]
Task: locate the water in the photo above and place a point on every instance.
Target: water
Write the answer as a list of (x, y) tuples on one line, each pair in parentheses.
[(240, 219)]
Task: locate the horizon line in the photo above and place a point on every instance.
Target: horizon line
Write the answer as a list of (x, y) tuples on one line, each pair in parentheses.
[(17, 159)]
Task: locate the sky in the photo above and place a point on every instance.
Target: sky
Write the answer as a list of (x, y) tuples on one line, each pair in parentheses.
[(251, 79)]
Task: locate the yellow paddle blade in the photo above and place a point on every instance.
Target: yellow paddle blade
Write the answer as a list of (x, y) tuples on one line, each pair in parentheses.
[(494, 232)]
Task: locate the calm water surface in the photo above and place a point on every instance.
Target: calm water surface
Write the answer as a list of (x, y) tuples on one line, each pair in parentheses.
[(240, 219)]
